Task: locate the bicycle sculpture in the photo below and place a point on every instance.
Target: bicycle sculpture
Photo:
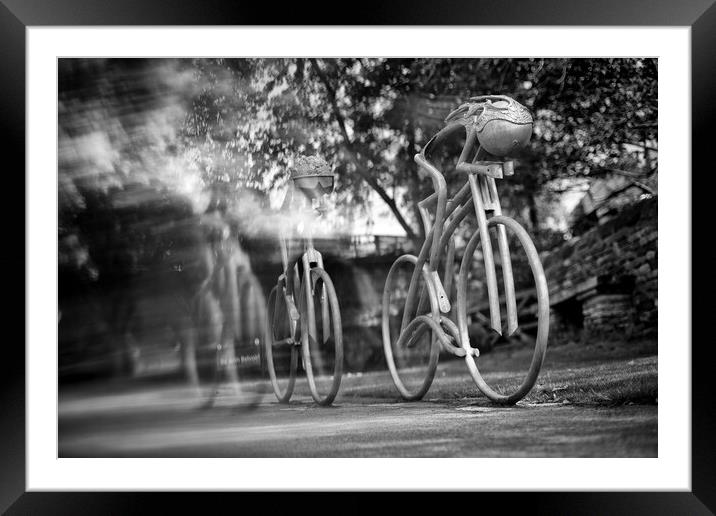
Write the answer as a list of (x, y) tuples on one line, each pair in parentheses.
[(494, 127), (230, 308), (303, 307)]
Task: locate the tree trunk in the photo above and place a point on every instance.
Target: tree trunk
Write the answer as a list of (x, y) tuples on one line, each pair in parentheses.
[(362, 170), (414, 181)]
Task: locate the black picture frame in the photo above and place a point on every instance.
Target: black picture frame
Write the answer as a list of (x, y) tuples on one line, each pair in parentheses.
[(17, 15)]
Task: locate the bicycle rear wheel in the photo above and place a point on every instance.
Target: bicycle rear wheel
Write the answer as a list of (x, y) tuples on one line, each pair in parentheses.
[(508, 382), (321, 336), (413, 357), (281, 354)]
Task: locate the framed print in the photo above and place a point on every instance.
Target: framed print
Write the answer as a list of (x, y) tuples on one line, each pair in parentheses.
[(392, 255)]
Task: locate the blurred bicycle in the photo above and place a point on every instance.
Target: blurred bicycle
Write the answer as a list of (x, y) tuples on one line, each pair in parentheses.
[(232, 325)]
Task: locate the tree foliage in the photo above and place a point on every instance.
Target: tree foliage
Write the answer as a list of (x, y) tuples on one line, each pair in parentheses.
[(237, 124), (370, 116)]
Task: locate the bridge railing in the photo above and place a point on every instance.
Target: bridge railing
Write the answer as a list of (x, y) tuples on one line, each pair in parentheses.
[(378, 245), (363, 246)]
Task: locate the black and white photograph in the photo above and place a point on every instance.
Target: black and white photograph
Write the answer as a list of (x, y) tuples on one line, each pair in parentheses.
[(357, 257)]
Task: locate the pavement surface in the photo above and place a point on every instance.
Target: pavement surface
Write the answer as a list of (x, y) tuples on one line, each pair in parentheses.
[(368, 419)]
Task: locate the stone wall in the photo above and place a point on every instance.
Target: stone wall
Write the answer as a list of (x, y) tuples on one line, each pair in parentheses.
[(611, 270), (608, 314)]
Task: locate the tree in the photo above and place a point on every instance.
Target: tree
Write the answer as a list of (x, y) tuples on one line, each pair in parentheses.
[(370, 116), (236, 124)]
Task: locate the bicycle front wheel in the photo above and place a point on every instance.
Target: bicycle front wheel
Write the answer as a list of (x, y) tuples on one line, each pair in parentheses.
[(281, 354), (321, 336), (506, 378)]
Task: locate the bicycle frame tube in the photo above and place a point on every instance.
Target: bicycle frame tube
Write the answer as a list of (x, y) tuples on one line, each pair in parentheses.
[(455, 205), (430, 245), (458, 208), (484, 198), (434, 240), (441, 190)]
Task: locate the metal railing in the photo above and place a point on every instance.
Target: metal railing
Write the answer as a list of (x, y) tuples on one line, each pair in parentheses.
[(363, 246)]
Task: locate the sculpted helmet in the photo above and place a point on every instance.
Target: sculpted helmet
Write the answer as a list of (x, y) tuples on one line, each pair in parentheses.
[(312, 175), (503, 125)]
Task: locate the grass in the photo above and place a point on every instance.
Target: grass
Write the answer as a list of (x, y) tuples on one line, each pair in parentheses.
[(600, 374), (605, 373), (611, 383)]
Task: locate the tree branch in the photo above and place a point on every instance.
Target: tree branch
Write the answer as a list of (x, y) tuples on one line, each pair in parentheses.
[(642, 146), (348, 146), (626, 173)]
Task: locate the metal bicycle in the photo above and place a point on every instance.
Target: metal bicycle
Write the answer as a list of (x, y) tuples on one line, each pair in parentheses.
[(494, 126), (303, 308)]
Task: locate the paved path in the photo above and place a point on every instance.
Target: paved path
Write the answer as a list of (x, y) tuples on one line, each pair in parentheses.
[(163, 421)]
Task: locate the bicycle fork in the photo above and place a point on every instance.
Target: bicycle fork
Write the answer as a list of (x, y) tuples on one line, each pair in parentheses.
[(484, 193), (312, 256)]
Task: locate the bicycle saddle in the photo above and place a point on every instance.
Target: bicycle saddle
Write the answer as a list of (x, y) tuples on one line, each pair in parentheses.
[(502, 124)]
